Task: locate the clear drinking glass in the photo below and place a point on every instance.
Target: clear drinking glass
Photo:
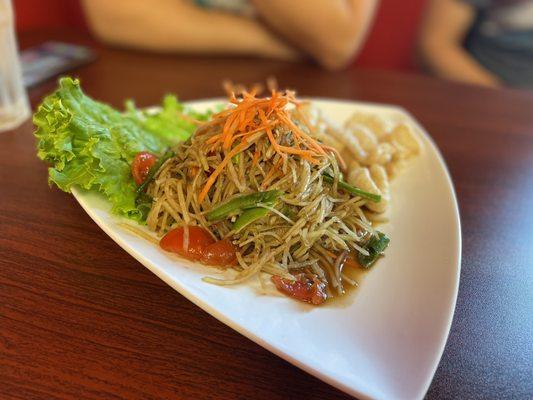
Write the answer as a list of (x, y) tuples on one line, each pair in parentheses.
[(14, 107)]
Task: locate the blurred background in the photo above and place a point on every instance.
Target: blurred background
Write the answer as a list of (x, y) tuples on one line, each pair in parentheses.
[(391, 42), (411, 53), (482, 42)]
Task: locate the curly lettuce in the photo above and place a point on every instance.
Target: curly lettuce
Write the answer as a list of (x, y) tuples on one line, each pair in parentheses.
[(91, 145)]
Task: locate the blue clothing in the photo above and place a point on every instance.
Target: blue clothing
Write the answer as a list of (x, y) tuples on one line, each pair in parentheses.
[(501, 39)]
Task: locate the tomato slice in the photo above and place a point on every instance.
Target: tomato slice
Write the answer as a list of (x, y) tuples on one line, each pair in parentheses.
[(308, 290), (220, 253), (199, 239), (141, 165)]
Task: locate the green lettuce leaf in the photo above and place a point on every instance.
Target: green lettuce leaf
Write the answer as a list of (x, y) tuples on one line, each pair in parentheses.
[(92, 145)]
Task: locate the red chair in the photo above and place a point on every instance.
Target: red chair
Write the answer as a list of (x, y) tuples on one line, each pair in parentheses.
[(391, 43), (38, 14)]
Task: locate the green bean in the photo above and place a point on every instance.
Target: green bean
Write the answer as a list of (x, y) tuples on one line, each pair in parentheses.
[(376, 198), (248, 216), (375, 246), (242, 203)]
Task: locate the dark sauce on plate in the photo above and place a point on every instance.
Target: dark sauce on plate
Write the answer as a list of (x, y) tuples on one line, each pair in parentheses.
[(356, 274)]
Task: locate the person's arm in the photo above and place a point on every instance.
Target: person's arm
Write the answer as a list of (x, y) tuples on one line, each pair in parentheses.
[(175, 25), (331, 31), (443, 31)]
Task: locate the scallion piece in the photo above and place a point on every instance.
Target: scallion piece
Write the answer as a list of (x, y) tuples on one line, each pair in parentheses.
[(375, 246), (376, 198)]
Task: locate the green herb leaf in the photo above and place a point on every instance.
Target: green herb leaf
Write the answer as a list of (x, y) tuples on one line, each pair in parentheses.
[(375, 246)]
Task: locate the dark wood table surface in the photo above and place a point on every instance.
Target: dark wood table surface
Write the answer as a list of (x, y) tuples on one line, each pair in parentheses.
[(81, 319)]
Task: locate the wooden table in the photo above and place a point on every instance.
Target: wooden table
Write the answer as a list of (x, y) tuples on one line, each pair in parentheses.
[(80, 318)]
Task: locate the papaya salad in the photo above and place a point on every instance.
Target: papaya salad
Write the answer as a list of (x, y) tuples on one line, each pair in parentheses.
[(266, 187)]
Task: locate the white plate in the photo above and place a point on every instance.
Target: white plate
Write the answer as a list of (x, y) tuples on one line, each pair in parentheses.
[(386, 342)]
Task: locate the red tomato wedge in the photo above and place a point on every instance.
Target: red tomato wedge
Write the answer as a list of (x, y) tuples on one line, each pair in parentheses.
[(141, 165), (308, 290), (220, 253), (200, 246), (175, 242)]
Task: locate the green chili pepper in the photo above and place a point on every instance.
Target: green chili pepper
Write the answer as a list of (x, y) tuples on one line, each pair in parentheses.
[(375, 246), (153, 171), (376, 198), (242, 203), (248, 216)]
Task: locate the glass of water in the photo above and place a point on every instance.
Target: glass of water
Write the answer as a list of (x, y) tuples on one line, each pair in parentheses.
[(14, 107)]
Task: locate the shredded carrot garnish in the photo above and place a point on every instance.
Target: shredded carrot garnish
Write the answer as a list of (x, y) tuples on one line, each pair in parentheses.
[(249, 115), (255, 158), (301, 133), (269, 131), (271, 174), (337, 154), (191, 119), (213, 139), (237, 149)]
